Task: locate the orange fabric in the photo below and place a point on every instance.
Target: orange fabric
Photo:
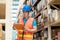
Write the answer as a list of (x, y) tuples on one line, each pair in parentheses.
[(27, 25), (28, 38), (20, 21), (20, 38)]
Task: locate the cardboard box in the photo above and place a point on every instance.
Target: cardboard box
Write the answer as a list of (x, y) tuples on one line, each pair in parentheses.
[(56, 14)]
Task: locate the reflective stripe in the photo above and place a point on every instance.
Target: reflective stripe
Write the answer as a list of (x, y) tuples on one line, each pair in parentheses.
[(26, 36), (20, 30)]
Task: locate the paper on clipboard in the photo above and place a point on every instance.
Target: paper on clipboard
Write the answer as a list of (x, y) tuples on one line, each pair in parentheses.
[(18, 26)]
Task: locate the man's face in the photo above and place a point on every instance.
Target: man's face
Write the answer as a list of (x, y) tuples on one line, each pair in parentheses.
[(26, 14)]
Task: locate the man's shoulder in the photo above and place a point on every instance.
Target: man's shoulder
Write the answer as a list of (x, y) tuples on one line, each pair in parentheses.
[(32, 18)]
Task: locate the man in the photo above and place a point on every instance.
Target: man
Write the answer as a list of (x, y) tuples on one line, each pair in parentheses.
[(30, 25)]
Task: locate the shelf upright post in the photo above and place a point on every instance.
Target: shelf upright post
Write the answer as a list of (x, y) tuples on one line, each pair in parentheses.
[(49, 28)]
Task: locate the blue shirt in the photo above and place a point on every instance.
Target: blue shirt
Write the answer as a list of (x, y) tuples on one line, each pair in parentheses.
[(25, 20)]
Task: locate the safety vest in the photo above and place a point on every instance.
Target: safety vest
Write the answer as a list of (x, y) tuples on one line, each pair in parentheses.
[(27, 35)]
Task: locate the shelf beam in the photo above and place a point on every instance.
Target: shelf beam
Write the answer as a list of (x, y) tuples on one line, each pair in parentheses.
[(54, 2), (37, 15), (36, 2), (55, 7), (54, 23)]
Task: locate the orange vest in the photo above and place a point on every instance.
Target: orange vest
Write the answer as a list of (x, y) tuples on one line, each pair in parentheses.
[(27, 35)]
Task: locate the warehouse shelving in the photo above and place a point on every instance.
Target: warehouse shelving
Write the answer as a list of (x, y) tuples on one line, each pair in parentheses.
[(36, 2), (39, 13), (54, 23), (55, 4)]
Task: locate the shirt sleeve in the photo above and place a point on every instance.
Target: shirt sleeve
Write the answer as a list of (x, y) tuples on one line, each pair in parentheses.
[(34, 23), (16, 21)]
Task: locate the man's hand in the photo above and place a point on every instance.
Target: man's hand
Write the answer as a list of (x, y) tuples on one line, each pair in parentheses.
[(31, 30)]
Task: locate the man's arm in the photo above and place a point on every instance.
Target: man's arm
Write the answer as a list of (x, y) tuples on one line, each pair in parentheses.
[(15, 23), (34, 27)]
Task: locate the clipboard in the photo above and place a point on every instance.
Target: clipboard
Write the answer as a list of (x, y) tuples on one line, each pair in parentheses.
[(18, 26)]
